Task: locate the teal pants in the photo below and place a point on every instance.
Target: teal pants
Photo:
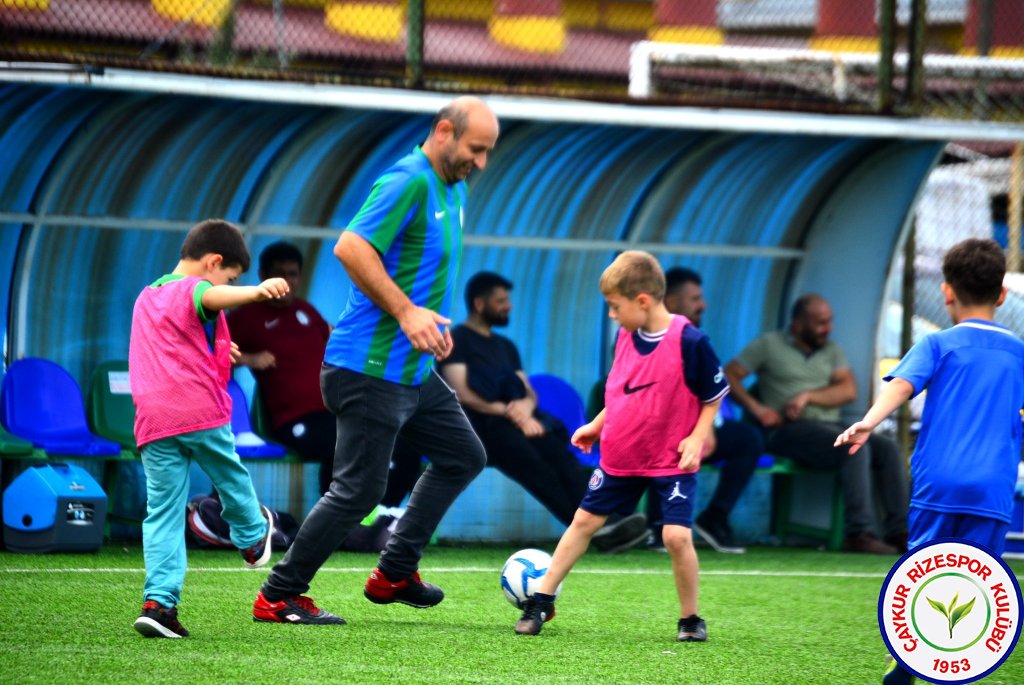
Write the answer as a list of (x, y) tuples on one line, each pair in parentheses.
[(166, 463)]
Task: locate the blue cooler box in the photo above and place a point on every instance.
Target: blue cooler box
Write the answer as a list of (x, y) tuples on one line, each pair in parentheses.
[(1015, 536), (54, 508)]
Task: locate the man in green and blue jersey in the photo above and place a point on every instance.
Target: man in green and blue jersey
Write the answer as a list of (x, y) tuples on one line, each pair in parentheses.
[(402, 252)]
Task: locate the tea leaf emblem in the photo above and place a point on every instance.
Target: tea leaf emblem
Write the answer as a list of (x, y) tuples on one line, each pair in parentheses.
[(953, 613)]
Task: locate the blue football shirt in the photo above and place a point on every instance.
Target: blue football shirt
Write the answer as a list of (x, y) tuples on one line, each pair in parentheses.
[(414, 220), (966, 457)]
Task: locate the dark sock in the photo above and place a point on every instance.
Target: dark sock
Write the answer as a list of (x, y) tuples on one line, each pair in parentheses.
[(392, 577), (541, 597)]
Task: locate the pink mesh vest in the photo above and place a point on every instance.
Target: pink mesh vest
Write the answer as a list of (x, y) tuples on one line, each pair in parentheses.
[(650, 409), (178, 385)]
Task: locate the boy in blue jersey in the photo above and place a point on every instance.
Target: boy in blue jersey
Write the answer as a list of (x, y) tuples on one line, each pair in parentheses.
[(964, 466), (402, 252)]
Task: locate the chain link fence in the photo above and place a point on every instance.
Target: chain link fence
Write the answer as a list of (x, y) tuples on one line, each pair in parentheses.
[(969, 195), (952, 59), (820, 55)]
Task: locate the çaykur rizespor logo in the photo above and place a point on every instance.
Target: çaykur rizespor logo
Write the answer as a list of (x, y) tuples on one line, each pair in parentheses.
[(949, 611)]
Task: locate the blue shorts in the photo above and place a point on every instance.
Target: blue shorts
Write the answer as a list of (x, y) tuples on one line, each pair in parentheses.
[(608, 494), (926, 525)]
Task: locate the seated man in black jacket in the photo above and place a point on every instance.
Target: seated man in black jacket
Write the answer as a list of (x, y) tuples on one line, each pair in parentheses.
[(528, 446)]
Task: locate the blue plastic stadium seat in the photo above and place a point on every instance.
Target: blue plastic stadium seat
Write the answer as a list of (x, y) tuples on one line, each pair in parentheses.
[(558, 398), (248, 445), (42, 403)]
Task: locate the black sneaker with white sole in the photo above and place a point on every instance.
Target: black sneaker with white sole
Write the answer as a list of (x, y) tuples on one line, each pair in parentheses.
[(692, 629), (535, 614), (159, 621)]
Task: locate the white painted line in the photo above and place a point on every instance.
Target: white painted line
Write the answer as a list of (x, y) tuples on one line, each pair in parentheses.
[(477, 569)]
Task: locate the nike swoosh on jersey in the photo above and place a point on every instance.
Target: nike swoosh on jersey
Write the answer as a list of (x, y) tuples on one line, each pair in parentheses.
[(637, 388), (270, 324), (438, 215)]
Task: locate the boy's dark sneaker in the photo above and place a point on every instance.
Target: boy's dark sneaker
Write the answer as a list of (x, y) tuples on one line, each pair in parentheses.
[(717, 534), (259, 554), (299, 609), (692, 629), (535, 615), (159, 621), (411, 591), (896, 674), (621, 535)]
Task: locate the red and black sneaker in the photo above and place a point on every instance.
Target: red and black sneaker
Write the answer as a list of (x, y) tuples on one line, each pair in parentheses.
[(159, 621), (298, 609), (412, 591)]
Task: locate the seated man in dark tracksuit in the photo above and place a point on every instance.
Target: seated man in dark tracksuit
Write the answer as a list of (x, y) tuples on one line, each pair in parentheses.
[(527, 445)]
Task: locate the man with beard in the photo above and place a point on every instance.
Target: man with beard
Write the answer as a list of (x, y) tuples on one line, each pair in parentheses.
[(527, 445), (282, 342), (401, 251), (803, 379), (737, 445)]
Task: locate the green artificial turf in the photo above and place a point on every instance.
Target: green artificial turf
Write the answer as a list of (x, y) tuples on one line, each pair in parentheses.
[(774, 616)]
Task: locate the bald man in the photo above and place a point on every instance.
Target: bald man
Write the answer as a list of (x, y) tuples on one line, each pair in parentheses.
[(803, 379), (378, 376)]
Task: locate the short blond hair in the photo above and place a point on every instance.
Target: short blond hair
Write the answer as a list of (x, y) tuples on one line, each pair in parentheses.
[(634, 272)]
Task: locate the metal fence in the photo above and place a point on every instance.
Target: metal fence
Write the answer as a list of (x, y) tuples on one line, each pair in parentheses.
[(750, 53)]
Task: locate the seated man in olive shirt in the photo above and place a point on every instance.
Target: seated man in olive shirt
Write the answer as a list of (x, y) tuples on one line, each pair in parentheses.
[(803, 379)]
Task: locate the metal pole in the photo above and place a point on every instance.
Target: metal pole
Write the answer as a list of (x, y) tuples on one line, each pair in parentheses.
[(984, 27), (982, 107), (1014, 217), (907, 330), (915, 58), (414, 45), (887, 47), (282, 56)]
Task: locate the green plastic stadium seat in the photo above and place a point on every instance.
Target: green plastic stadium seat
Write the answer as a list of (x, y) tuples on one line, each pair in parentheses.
[(11, 445), (110, 407)]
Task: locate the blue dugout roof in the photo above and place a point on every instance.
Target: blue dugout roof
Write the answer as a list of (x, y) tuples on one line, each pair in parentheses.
[(97, 187)]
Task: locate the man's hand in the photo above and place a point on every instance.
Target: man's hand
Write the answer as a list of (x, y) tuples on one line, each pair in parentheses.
[(768, 417), (531, 427), (421, 326), (260, 361), (519, 411), (795, 407), (234, 353)]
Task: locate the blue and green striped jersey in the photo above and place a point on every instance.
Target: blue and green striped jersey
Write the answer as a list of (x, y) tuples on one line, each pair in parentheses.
[(414, 220)]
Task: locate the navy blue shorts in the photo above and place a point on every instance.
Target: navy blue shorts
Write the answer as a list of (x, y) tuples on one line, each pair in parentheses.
[(926, 525), (609, 494)]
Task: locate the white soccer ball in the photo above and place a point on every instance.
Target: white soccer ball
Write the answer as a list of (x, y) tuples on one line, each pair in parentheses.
[(520, 577)]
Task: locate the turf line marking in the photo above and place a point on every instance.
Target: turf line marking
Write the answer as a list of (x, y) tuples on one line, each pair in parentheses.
[(478, 569)]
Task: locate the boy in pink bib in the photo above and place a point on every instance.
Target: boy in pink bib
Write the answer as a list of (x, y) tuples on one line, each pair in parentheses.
[(660, 399), (179, 363)]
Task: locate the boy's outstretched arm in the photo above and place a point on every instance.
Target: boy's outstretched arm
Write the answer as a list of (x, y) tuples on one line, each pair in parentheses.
[(221, 297), (896, 392)]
